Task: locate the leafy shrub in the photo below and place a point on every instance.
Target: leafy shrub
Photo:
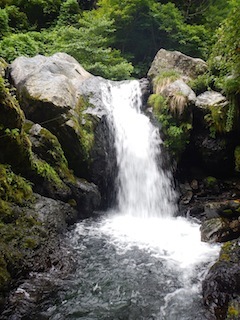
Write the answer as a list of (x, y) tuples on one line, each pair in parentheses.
[(4, 28), (90, 45), (19, 44), (176, 135), (17, 19), (69, 13)]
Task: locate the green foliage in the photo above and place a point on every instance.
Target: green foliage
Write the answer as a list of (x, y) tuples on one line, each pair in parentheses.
[(164, 79), (90, 45), (225, 57), (141, 28), (19, 44), (69, 13), (176, 135), (45, 171), (17, 19), (14, 188), (216, 119), (237, 158), (177, 33), (84, 124), (4, 28), (40, 13), (202, 83)]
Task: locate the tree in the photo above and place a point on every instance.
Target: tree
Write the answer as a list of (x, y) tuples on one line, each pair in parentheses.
[(40, 13), (90, 44), (225, 56), (69, 13), (17, 19), (19, 44), (4, 28), (87, 4)]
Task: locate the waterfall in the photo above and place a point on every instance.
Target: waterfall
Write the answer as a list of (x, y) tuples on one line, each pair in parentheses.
[(144, 189), (135, 262)]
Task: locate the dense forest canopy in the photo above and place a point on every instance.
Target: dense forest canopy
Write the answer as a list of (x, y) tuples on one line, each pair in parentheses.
[(118, 39)]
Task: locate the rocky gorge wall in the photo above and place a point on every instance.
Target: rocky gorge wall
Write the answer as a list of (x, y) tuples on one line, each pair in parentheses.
[(204, 151), (57, 161)]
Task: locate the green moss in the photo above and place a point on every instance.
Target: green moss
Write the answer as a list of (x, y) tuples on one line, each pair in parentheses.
[(14, 188), (84, 124), (233, 312), (228, 212), (4, 274), (11, 114), (210, 182), (237, 158), (72, 203), (45, 171), (229, 252), (19, 231), (49, 150)]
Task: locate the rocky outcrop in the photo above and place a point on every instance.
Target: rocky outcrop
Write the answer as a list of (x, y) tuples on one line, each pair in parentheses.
[(187, 66), (32, 160), (58, 94), (211, 99), (202, 120)]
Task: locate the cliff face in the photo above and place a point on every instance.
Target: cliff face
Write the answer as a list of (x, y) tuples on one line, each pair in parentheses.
[(204, 148)]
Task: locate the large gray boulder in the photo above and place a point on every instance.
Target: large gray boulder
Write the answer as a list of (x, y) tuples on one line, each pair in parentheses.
[(53, 80), (187, 66), (57, 93)]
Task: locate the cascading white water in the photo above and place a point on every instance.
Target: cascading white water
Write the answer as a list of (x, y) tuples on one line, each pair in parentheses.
[(144, 189), (138, 261), (147, 202)]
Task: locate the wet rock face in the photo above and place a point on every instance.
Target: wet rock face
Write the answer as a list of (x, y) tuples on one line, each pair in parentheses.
[(215, 154), (220, 230), (221, 287)]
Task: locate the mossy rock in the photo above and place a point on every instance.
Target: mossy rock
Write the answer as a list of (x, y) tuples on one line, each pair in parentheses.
[(14, 188), (16, 226), (47, 147), (233, 312), (210, 182), (237, 158), (11, 116)]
